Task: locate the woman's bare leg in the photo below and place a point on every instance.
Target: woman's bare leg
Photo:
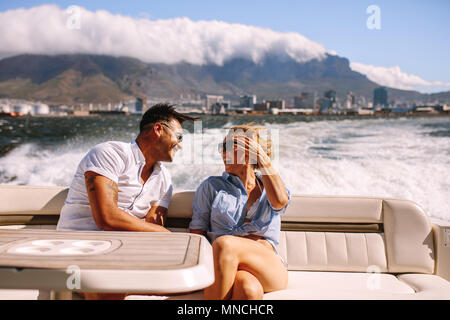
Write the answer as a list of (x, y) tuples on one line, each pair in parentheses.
[(225, 268), (246, 287), (232, 254)]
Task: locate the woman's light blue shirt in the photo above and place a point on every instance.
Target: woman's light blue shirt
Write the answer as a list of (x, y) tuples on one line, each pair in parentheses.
[(220, 207)]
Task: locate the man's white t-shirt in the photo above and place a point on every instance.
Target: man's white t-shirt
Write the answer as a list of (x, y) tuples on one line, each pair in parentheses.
[(122, 163)]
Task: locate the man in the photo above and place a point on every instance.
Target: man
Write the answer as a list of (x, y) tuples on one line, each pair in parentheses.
[(124, 186)]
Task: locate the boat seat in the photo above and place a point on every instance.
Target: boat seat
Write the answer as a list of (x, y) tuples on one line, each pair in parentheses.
[(319, 285), (335, 247), (304, 285)]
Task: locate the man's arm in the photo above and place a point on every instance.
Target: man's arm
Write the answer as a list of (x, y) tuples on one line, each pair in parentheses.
[(157, 214), (103, 198)]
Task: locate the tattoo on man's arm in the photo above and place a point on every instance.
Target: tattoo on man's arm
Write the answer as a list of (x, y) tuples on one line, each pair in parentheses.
[(111, 188), (113, 191), (90, 183)]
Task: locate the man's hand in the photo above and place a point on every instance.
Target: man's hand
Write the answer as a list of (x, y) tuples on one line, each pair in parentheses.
[(157, 214), (103, 198)]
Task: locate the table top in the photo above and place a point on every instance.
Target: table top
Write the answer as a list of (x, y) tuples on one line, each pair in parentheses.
[(109, 261)]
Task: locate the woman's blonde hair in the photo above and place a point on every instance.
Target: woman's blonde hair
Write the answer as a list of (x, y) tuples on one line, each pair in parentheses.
[(262, 136)]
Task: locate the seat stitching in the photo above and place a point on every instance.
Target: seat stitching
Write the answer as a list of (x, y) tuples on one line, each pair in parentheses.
[(346, 249), (367, 250), (385, 236), (326, 251), (409, 284), (306, 246)]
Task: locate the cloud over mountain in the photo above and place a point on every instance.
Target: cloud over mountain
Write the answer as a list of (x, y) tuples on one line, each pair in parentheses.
[(394, 77), (49, 29)]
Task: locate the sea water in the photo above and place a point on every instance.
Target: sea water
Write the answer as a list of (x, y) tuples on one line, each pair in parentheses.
[(396, 157)]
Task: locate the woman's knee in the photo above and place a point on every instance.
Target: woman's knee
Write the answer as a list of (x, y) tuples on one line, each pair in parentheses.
[(224, 249), (247, 286), (223, 243)]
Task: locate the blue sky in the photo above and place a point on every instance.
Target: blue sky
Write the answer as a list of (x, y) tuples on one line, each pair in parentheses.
[(414, 34)]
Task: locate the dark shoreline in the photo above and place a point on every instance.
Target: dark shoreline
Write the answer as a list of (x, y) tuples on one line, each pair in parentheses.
[(319, 115)]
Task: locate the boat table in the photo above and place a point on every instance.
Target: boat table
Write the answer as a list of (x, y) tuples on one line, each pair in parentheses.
[(104, 261)]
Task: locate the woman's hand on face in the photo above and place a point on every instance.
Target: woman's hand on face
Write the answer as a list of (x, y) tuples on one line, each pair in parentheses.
[(257, 155)]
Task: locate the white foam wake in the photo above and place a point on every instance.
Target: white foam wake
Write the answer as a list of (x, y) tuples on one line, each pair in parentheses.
[(386, 158)]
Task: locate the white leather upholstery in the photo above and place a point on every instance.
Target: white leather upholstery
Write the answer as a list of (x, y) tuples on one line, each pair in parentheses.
[(427, 286), (355, 284), (11, 294), (307, 285), (441, 237), (409, 237), (333, 209), (310, 285), (333, 251), (181, 205), (35, 200)]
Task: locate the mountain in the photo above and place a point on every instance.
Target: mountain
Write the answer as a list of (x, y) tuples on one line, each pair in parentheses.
[(83, 78), (70, 78), (272, 78)]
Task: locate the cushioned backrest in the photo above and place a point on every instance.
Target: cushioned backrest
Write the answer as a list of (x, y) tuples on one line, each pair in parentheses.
[(409, 238), (181, 205), (405, 246), (304, 208), (333, 251), (32, 200), (334, 209)]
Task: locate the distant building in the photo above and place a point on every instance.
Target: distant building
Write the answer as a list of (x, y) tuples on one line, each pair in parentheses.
[(247, 101), (362, 101), (40, 109), (137, 106), (326, 104), (380, 96), (425, 109), (140, 104), (278, 104), (430, 108), (22, 108), (330, 94), (298, 101), (220, 107), (265, 106), (350, 100), (191, 106), (5, 108), (306, 100), (211, 100)]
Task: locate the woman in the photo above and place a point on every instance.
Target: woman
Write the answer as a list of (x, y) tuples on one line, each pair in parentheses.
[(239, 211)]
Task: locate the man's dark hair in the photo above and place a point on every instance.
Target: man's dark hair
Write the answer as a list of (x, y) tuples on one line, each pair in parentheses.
[(162, 112)]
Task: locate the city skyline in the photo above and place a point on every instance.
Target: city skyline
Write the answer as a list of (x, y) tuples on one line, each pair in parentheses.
[(308, 103)]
